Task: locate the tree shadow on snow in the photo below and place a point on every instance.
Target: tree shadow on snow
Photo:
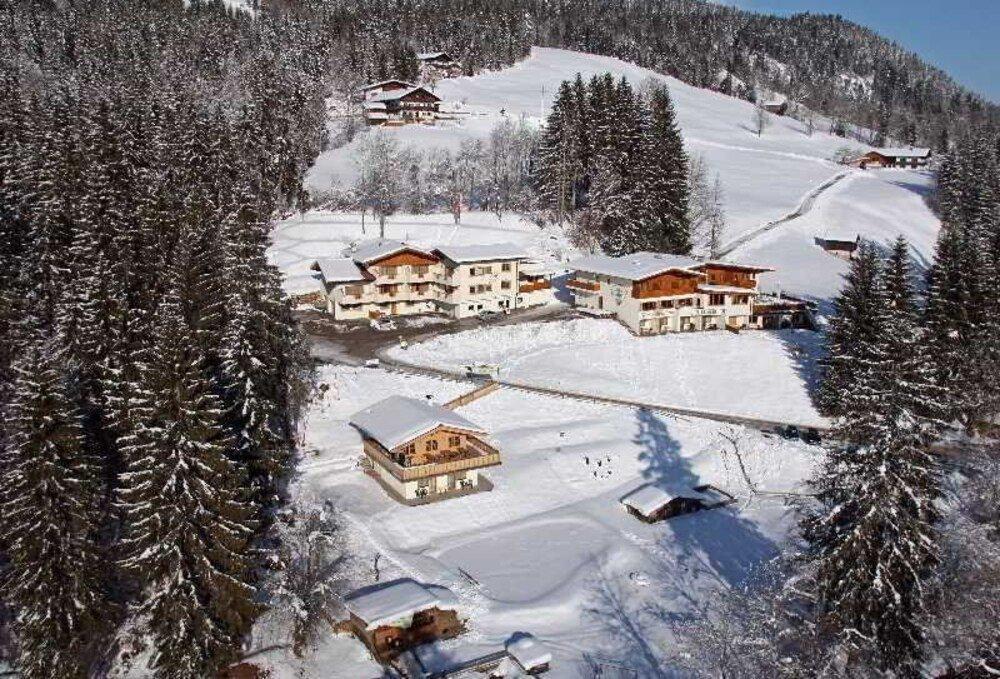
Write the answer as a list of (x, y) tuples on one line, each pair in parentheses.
[(718, 542)]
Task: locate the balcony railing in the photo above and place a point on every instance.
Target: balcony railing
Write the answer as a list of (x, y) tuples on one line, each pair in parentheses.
[(589, 286), (480, 456), (533, 286)]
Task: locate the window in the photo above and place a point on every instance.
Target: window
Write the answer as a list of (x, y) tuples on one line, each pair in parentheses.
[(667, 304), (648, 306), (389, 271), (505, 266), (431, 445), (716, 300), (421, 270), (423, 483), (411, 449), (505, 285), (354, 290), (454, 441)]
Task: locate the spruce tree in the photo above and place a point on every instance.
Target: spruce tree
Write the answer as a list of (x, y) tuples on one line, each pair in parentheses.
[(49, 501), (668, 173), (852, 337), (188, 524)]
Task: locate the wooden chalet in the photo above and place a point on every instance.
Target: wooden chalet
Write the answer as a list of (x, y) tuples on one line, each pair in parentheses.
[(420, 452), (392, 617), (436, 65), (401, 106), (894, 157), (782, 312), (651, 504), (778, 107)]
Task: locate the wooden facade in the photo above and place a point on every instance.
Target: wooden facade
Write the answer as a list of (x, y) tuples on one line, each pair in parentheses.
[(405, 258), (388, 641), (666, 284), (732, 276)]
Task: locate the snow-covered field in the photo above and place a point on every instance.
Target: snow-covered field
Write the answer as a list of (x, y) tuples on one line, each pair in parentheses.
[(878, 205), (550, 551), (760, 374), (299, 240)]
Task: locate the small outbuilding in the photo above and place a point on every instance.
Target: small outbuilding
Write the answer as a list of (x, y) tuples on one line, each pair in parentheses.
[(530, 654), (650, 503), (841, 246), (394, 616)]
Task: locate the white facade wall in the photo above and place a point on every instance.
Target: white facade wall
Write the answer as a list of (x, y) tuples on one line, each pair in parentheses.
[(615, 298), (483, 286)]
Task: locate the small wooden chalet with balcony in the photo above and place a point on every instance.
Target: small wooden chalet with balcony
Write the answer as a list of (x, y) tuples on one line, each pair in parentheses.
[(436, 65), (653, 293), (421, 452), (392, 617)]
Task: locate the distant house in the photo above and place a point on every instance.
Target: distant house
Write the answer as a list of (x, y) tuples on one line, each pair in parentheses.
[(777, 106), (777, 312), (894, 157), (436, 65), (394, 616), (395, 102), (652, 293), (843, 247), (421, 452)]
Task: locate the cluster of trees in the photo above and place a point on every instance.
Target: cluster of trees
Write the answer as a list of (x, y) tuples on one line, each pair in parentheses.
[(614, 160), (897, 572), (151, 374), (495, 174)]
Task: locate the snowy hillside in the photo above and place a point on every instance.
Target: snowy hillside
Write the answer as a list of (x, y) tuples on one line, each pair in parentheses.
[(765, 179)]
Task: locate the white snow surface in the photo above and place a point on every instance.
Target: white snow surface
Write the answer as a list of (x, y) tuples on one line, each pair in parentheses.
[(756, 374), (549, 551)]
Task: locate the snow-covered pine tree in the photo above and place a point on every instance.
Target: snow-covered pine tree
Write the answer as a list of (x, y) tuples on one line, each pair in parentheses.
[(872, 540), (851, 340), (555, 175), (668, 174), (188, 524), (50, 494)]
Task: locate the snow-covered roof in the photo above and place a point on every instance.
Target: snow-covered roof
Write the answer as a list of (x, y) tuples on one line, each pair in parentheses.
[(373, 106), (904, 153), (339, 270), (425, 56), (528, 652), (397, 600), (647, 499), (537, 269), (398, 419), (371, 250), (393, 95), (383, 83), (635, 267), (482, 253)]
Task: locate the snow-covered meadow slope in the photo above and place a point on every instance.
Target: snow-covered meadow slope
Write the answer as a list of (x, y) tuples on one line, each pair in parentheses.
[(765, 178)]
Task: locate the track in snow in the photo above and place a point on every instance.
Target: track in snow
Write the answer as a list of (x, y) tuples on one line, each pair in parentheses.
[(804, 207)]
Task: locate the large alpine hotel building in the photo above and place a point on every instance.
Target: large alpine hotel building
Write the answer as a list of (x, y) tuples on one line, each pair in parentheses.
[(653, 293)]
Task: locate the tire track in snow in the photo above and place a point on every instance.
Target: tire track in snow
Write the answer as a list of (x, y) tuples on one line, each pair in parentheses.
[(807, 204)]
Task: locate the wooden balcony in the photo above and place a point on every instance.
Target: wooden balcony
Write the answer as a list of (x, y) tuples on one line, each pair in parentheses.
[(477, 456), (588, 286), (533, 286)]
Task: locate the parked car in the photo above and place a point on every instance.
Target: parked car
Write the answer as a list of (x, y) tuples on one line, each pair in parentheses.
[(382, 324), (487, 315), (372, 363), (812, 437), (790, 432)]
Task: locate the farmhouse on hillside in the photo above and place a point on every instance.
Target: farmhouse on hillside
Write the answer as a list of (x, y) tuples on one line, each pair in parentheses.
[(912, 157), (391, 617), (778, 106), (653, 293), (381, 278), (843, 247), (436, 65), (421, 452)]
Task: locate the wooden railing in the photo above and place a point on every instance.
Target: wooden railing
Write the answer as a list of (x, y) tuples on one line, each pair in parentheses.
[(592, 286), (536, 285), (487, 457)]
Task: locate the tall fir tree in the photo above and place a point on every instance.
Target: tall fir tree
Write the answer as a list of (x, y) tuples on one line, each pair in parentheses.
[(667, 166), (49, 514), (189, 526)]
